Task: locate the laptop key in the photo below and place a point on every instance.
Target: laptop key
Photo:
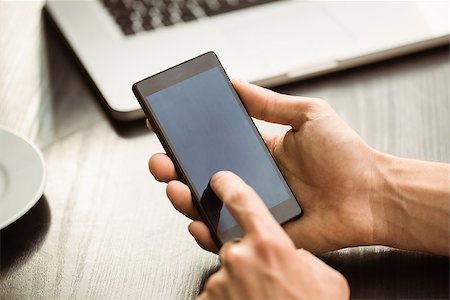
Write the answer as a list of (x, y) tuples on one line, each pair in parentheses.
[(187, 15), (147, 23), (143, 15)]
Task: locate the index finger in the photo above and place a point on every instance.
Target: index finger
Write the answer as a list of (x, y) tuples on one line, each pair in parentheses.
[(243, 202)]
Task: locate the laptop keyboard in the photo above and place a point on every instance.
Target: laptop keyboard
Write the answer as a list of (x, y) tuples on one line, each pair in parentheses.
[(143, 15)]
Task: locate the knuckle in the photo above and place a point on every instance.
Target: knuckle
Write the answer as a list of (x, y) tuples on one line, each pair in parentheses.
[(267, 247), (323, 105), (236, 256), (315, 108)]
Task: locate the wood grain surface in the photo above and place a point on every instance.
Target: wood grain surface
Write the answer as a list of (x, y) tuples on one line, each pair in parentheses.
[(104, 228)]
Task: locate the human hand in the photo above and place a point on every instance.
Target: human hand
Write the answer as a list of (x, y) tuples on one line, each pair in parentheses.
[(327, 165), (265, 264)]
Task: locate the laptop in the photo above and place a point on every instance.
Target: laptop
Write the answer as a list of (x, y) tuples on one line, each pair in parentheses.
[(267, 42)]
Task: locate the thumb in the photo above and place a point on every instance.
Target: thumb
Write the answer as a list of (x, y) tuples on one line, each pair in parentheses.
[(272, 107)]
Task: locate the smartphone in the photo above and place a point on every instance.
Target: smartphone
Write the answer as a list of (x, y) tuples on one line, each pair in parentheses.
[(204, 128)]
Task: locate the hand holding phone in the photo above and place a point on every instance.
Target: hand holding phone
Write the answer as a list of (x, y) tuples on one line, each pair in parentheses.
[(204, 128)]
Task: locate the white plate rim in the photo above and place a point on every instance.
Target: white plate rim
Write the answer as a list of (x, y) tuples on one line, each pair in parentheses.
[(40, 190)]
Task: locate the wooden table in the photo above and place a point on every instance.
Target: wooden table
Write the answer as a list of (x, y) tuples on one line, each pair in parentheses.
[(105, 229)]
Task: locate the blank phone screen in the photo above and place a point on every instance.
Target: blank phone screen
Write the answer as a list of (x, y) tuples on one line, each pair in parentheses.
[(209, 130)]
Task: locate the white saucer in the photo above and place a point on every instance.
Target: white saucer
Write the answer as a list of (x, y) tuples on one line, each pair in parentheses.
[(22, 176)]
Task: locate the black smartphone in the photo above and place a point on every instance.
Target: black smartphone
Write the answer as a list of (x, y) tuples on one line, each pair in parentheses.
[(204, 127)]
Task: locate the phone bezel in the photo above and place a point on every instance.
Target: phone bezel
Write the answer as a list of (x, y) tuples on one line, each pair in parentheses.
[(283, 212)]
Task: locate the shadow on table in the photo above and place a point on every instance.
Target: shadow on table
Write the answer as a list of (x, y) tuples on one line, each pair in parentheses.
[(392, 273), (21, 239), (386, 274)]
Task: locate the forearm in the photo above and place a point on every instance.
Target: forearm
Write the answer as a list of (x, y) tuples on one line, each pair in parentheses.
[(411, 205)]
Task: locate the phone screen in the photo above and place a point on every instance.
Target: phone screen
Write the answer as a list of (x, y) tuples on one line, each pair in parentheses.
[(208, 130)]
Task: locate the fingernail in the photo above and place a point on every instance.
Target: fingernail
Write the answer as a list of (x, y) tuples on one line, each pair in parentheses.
[(239, 81), (218, 175)]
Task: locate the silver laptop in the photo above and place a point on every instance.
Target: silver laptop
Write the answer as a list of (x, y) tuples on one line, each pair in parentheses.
[(267, 42)]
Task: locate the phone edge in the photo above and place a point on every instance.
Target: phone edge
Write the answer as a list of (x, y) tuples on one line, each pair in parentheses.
[(178, 169)]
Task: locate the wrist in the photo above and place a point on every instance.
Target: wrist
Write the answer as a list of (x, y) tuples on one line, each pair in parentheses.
[(382, 198), (409, 202), (367, 209)]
